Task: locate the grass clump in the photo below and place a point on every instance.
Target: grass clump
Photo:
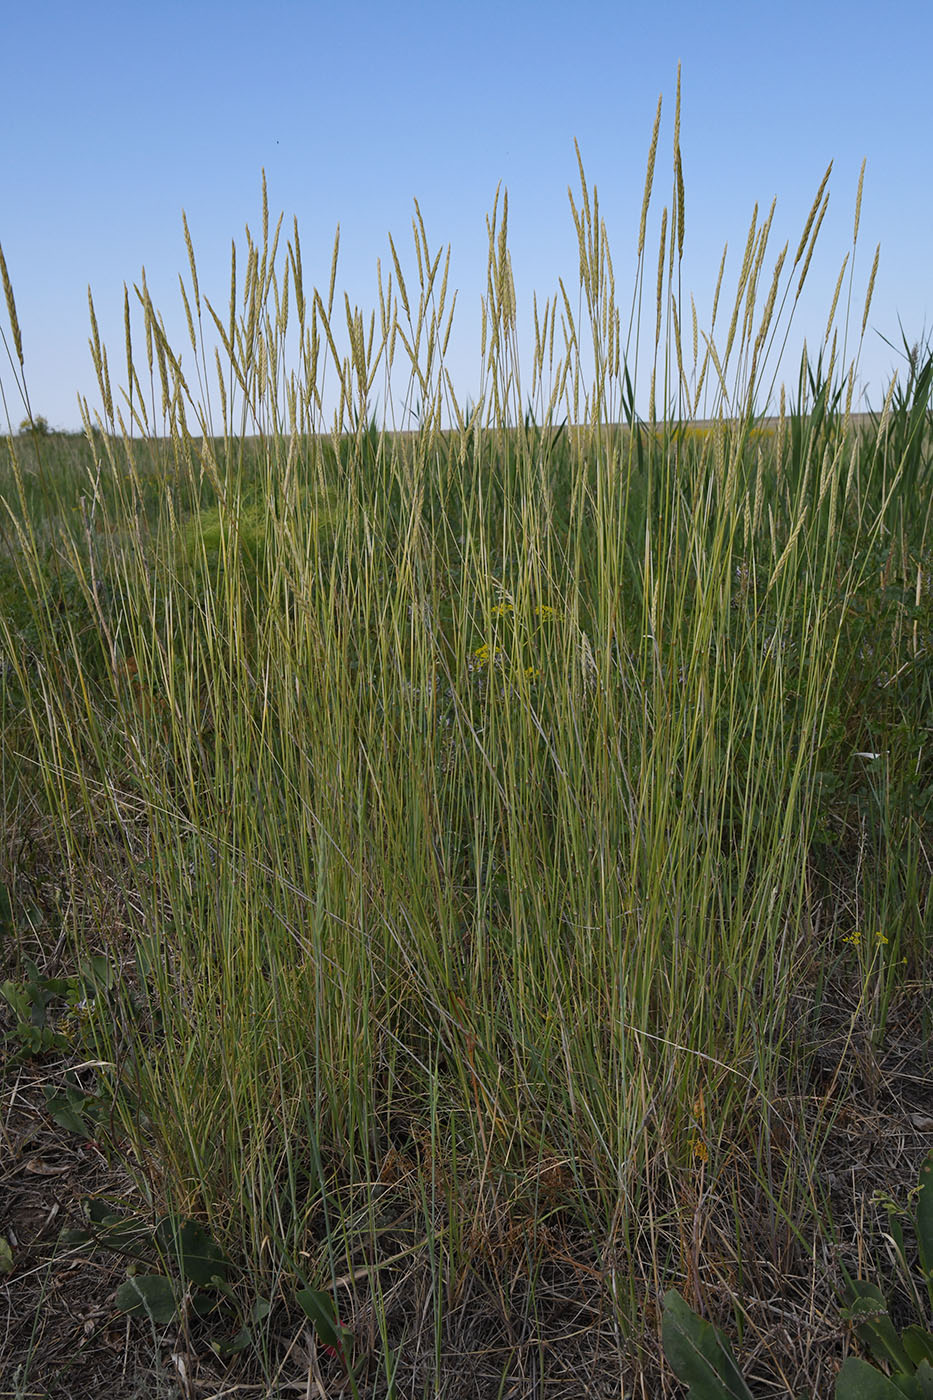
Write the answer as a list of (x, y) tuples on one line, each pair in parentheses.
[(490, 824)]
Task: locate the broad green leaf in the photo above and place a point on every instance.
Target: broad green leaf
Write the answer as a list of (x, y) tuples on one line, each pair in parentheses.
[(699, 1355), (918, 1344), (148, 1295), (6, 1256), (873, 1327), (319, 1307), (859, 1381), (17, 998), (199, 1259), (68, 1110)]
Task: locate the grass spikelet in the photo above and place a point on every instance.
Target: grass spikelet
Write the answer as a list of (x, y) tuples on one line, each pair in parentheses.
[(586, 197), (871, 287), (677, 114), (811, 216), (806, 264), (11, 308), (769, 304), (191, 262), (127, 338), (649, 180), (722, 268), (401, 280), (188, 318), (832, 309), (679, 176), (295, 255), (858, 202), (333, 272)]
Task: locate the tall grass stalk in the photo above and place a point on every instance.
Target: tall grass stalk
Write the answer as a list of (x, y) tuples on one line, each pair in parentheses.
[(465, 783)]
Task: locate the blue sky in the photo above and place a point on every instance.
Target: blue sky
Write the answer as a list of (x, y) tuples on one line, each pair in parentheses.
[(119, 116)]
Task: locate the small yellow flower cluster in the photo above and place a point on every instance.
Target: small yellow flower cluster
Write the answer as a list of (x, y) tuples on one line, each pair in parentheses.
[(855, 937), (501, 609), (483, 655), (699, 1148), (545, 610)]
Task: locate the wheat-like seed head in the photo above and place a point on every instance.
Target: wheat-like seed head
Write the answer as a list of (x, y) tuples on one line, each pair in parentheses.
[(649, 179), (382, 299), (701, 381), (677, 113), (581, 240), (501, 248), (450, 321), (762, 244), (871, 287), (401, 281), (94, 342), (443, 292), (420, 230), (816, 230), (749, 245), (283, 314), (418, 255), (299, 280), (184, 297), (586, 197), (679, 175), (832, 309), (333, 271), (769, 304), (11, 308), (722, 267), (127, 338), (811, 216), (191, 263), (858, 203)]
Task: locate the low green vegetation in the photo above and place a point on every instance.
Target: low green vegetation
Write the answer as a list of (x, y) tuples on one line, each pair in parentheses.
[(492, 856), (703, 1359)]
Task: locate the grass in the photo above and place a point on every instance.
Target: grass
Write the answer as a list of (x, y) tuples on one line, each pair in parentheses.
[(509, 844)]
